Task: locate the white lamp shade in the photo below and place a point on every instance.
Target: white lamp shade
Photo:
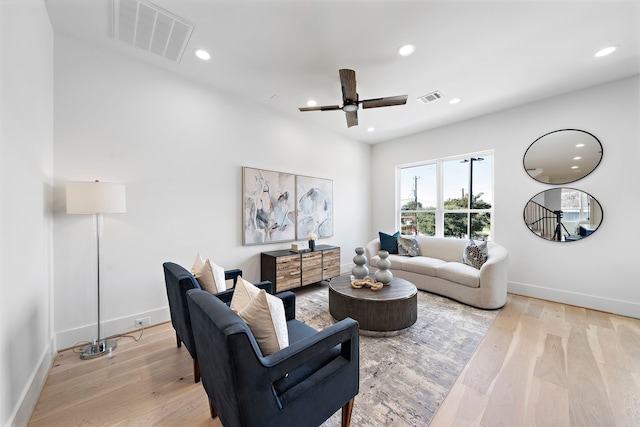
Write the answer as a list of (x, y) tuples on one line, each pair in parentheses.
[(95, 198)]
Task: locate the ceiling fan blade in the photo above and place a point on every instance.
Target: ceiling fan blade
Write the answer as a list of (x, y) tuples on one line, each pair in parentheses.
[(384, 102), (352, 118), (348, 82), (320, 108)]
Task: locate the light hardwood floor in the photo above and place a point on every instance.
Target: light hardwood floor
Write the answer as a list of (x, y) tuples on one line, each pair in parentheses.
[(540, 364)]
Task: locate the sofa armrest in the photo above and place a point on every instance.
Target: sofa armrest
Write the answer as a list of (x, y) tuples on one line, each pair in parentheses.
[(346, 333), (372, 248), (289, 301), (493, 277), (233, 274)]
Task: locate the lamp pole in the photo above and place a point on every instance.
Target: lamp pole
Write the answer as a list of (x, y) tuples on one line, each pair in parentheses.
[(470, 203)]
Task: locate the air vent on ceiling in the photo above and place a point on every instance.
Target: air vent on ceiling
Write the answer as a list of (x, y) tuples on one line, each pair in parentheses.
[(148, 27), (430, 97)]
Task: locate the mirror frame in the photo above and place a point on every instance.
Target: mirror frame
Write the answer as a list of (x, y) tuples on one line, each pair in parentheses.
[(550, 222), (553, 162)]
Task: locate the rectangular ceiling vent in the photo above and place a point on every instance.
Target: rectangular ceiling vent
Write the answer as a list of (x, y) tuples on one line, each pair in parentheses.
[(148, 27), (430, 97)]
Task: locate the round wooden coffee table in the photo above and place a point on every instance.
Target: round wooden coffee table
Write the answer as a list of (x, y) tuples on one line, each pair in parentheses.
[(380, 313)]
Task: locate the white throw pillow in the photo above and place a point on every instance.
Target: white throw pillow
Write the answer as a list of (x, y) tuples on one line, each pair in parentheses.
[(266, 318), (210, 276), (197, 264), (218, 276), (243, 293)]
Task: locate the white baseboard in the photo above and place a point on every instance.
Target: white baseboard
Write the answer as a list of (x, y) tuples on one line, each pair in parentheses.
[(27, 402), (71, 337), (609, 305)]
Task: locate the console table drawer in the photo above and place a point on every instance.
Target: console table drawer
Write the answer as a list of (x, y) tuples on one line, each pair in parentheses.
[(287, 272), (331, 263), (311, 267)]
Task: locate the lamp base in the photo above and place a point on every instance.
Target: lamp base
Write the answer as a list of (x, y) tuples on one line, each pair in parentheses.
[(98, 348)]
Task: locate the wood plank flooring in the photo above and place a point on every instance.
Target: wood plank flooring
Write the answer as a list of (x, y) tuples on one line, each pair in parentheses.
[(540, 364), (549, 364)]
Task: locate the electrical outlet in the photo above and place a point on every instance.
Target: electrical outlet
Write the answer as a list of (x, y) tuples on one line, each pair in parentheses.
[(144, 321)]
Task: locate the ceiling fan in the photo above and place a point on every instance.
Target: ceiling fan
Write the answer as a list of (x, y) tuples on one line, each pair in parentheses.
[(350, 101)]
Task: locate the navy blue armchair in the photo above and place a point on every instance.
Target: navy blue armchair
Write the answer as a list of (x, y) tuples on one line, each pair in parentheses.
[(301, 385), (178, 281)]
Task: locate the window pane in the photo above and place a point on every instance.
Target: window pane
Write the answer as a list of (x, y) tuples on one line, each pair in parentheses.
[(455, 184), (455, 225), (422, 222), (408, 222), (481, 226), (418, 183), (427, 223), (481, 190)]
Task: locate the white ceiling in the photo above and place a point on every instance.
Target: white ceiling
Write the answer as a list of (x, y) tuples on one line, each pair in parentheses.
[(492, 54)]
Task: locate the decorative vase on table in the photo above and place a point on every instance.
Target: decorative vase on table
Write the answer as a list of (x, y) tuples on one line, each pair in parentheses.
[(311, 237), (383, 274), (360, 271)]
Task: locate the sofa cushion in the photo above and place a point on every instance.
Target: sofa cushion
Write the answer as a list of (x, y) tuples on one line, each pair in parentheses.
[(408, 246), (422, 265), (265, 317), (459, 273), (389, 242), (475, 254)]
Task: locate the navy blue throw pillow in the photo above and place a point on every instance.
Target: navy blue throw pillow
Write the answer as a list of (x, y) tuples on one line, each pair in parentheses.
[(388, 242)]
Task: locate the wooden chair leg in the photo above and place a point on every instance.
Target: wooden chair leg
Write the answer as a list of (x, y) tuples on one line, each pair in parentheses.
[(346, 413), (214, 414), (178, 340), (196, 371)]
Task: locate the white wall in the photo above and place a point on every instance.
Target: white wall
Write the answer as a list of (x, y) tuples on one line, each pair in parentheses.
[(598, 272), (26, 178), (179, 147)]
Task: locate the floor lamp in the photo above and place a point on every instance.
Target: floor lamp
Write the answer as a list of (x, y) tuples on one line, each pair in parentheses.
[(96, 198)]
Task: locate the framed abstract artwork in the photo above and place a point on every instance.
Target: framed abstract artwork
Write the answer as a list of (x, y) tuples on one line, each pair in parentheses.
[(269, 209), (314, 207)]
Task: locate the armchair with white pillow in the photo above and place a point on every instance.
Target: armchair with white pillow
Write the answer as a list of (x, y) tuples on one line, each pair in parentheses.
[(262, 367), (178, 281)]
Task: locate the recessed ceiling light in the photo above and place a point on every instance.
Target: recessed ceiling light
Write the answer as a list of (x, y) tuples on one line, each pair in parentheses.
[(577, 158), (579, 145), (574, 167), (203, 54), (371, 129), (454, 101), (606, 51), (311, 103), (407, 49)]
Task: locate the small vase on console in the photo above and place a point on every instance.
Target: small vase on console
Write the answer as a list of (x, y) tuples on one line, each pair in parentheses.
[(383, 274), (360, 271)]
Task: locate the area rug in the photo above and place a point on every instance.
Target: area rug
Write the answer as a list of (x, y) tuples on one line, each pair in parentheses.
[(405, 378)]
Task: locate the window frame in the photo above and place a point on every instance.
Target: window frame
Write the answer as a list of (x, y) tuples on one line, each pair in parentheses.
[(439, 210)]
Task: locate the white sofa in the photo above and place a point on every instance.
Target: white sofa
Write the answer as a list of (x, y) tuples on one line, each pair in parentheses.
[(440, 270)]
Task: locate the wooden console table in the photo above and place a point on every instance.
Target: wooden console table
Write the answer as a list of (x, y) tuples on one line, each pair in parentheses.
[(288, 270)]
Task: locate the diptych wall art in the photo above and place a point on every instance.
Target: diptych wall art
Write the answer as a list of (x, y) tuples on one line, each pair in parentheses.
[(281, 207)]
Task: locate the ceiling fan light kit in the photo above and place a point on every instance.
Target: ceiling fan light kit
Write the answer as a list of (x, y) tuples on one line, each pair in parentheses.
[(351, 102)]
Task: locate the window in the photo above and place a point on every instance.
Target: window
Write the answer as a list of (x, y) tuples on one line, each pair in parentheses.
[(450, 197)]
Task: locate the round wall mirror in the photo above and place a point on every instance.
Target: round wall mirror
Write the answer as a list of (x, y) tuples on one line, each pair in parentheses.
[(563, 214), (562, 156)]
